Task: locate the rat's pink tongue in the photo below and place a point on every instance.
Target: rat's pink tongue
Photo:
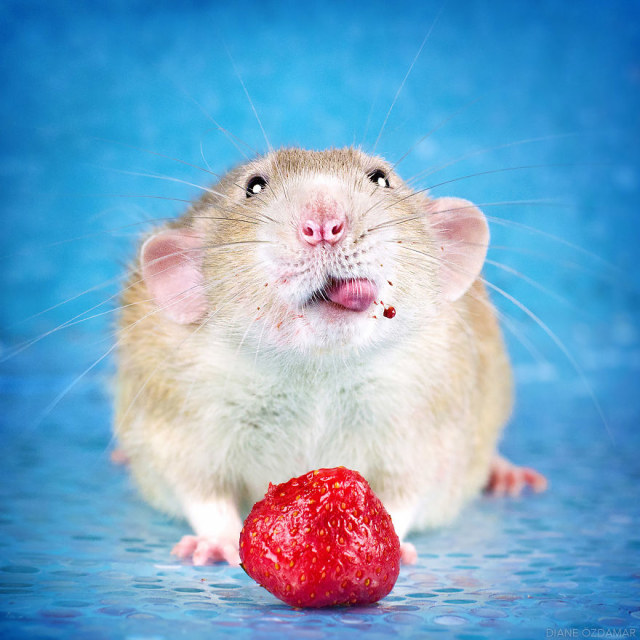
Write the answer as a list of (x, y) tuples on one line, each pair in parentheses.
[(356, 295)]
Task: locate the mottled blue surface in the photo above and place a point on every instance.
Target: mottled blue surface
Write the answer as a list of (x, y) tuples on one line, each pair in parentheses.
[(87, 89)]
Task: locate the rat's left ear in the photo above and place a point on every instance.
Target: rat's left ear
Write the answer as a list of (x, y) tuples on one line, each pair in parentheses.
[(462, 236)]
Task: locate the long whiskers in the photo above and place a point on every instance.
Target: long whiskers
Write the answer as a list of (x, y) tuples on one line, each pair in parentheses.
[(82, 317), (579, 370), (234, 139), (54, 403), (532, 282), (546, 329), (409, 70), (161, 155), (439, 126), (255, 113), (505, 169), (427, 172), (158, 176), (424, 213), (208, 170)]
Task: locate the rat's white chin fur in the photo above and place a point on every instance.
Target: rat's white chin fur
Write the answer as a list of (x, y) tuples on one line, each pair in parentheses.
[(325, 328), (333, 327)]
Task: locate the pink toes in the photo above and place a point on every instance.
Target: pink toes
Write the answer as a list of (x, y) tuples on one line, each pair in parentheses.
[(208, 552), (185, 547), (505, 478), (118, 456), (204, 551), (408, 553)]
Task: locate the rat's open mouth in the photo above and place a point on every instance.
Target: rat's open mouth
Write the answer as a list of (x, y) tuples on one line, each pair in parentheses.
[(354, 295)]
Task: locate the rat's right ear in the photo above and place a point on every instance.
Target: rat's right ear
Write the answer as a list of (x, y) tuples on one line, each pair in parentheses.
[(171, 264)]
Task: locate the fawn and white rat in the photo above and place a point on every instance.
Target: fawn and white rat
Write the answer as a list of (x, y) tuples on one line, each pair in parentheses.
[(311, 310)]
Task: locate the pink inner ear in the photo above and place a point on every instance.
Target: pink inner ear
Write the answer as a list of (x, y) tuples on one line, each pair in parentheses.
[(172, 270), (463, 235)]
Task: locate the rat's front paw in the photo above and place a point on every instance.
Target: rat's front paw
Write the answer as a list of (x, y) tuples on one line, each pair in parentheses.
[(204, 550), (507, 478)]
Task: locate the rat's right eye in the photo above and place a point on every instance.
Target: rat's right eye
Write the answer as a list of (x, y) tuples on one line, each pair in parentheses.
[(255, 186)]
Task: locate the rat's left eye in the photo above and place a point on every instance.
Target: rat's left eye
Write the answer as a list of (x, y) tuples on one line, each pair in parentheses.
[(379, 177)]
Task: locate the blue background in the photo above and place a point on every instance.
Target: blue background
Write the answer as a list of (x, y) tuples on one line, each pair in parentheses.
[(90, 89)]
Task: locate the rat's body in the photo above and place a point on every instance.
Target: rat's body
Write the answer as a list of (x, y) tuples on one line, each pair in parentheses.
[(279, 357)]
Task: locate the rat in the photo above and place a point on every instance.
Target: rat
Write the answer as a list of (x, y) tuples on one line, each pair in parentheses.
[(312, 310)]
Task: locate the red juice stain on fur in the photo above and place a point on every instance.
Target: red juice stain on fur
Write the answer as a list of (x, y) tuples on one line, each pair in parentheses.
[(389, 312)]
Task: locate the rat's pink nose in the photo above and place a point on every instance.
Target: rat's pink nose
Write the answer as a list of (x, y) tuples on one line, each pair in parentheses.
[(315, 231)]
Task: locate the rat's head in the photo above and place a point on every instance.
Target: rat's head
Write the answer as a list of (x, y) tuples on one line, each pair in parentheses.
[(315, 252)]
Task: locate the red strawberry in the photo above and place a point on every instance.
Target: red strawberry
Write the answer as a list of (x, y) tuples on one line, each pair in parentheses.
[(320, 540)]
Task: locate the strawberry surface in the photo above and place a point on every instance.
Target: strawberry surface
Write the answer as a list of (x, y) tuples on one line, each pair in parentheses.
[(321, 539)]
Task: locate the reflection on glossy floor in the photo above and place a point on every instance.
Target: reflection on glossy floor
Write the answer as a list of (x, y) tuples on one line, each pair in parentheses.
[(82, 556)]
